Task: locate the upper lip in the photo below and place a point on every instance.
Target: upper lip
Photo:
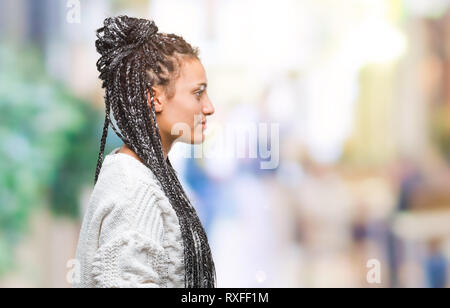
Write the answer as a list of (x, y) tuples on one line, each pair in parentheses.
[(204, 121)]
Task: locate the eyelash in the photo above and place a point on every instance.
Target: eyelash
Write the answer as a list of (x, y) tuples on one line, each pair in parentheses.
[(199, 92)]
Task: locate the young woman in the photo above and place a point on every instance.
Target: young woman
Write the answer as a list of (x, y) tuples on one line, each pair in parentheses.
[(140, 229)]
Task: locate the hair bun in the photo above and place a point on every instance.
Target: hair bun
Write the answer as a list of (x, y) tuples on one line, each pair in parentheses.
[(123, 31)]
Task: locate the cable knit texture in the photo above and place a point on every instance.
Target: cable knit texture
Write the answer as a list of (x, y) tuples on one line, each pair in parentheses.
[(130, 235)]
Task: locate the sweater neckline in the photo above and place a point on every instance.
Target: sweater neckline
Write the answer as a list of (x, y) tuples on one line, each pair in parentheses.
[(114, 154)]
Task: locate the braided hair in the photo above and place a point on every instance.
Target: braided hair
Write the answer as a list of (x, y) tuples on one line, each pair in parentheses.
[(134, 57)]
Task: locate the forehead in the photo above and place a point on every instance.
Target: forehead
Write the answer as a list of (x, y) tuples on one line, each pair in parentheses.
[(192, 73)]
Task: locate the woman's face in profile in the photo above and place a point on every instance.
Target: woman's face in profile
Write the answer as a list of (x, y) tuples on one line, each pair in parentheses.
[(183, 116)]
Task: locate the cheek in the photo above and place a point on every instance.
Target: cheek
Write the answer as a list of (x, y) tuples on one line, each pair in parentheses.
[(189, 113), (181, 113)]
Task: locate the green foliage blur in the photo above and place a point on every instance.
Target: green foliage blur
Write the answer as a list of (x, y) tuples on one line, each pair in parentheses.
[(49, 142)]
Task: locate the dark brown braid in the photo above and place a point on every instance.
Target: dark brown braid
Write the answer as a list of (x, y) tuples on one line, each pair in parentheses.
[(134, 57)]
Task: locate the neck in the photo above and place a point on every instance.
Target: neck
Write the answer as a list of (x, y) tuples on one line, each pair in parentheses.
[(166, 145)]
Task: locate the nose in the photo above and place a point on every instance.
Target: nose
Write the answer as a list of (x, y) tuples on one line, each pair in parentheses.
[(208, 108)]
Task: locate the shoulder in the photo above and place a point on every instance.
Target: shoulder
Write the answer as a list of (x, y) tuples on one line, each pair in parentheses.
[(134, 178), (130, 198), (128, 172)]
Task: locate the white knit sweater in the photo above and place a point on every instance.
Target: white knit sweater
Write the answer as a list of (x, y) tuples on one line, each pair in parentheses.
[(130, 234)]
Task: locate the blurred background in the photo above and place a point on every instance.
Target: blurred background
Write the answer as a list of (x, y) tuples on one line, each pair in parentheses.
[(359, 89)]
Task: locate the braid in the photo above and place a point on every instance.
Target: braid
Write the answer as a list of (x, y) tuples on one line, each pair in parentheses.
[(134, 57), (103, 140)]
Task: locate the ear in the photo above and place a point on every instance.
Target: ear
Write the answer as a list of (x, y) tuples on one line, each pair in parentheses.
[(156, 100)]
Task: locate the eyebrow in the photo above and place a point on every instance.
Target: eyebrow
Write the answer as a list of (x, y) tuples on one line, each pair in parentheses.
[(203, 84)]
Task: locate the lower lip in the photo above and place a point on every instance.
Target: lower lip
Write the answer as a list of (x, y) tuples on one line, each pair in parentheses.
[(204, 125)]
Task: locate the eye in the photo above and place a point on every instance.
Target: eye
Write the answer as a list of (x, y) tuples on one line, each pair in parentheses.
[(199, 94)]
